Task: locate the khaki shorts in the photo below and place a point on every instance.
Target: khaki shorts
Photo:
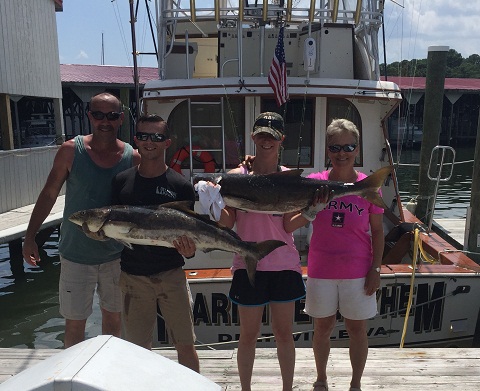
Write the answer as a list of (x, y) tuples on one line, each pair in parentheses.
[(78, 283), (141, 295), (324, 297)]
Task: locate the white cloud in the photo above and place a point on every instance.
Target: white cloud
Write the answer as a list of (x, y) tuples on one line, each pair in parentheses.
[(410, 30), (82, 55)]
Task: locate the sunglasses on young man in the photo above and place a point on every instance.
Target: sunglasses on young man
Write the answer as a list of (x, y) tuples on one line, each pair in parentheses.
[(111, 116), (337, 148), (155, 137)]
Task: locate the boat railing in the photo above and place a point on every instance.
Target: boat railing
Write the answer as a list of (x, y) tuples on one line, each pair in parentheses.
[(182, 26), (356, 12), (440, 175)]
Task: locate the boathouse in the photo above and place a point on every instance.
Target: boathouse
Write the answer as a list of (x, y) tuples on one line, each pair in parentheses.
[(461, 101)]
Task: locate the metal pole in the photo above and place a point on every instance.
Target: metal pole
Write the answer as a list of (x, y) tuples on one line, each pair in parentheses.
[(135, 67)]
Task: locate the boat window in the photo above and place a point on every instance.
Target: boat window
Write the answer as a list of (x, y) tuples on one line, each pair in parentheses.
[(298, 133), (206, 130), (342, 108)]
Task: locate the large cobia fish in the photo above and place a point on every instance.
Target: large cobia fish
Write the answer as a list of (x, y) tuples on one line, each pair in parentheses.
[(288, 191), (162, 225)]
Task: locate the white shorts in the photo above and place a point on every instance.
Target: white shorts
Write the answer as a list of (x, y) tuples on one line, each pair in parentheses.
[(78, 283), (325, 297)]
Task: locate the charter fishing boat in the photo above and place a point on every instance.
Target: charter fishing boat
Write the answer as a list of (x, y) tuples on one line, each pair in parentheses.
[(217, 61)]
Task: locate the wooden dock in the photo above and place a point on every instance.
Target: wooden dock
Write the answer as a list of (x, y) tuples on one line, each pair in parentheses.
[(391, 369), (13, 224), (455, 228)]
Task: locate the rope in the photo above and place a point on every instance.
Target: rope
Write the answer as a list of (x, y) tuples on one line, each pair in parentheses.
[(412, 281)]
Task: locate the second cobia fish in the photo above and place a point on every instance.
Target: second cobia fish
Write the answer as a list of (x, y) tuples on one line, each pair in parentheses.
[(288, 191), (161, 226)]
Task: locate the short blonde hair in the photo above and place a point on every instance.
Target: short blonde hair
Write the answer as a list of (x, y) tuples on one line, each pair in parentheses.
[(340, 126)]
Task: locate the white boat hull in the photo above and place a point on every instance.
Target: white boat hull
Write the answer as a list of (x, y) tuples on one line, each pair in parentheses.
[(441, 313)]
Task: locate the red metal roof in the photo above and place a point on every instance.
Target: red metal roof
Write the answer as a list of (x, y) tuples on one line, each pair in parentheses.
[(121, 75), (58, 5), (418, 83), (104, 74)]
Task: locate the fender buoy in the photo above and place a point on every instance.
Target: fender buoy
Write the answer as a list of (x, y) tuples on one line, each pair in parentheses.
[(183, 153)]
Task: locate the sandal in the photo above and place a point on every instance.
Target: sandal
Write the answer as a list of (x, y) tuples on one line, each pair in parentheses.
[(320, 386)]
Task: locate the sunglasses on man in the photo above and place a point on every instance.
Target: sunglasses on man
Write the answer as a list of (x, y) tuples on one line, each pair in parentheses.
[(337, 148), (111, 116), (155, 137)]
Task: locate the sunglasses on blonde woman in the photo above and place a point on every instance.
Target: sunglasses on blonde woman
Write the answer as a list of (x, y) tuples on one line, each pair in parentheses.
[(337, 148)]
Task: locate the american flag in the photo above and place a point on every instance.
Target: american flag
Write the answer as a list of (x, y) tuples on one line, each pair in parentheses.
[(277, 76)]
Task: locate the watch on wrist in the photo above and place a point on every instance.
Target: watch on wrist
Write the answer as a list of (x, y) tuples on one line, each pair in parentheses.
[(377, 269)]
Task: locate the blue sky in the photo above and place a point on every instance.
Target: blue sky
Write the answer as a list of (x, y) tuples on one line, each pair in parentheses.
[(411, 26)]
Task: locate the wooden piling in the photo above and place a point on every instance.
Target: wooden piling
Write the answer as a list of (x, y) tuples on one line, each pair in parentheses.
[(473, 242), (432, 120)]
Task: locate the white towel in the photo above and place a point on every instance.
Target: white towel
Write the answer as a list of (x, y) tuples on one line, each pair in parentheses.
[(210, 198)]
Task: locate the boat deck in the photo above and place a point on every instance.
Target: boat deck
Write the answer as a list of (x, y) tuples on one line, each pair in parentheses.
[(392, 369)]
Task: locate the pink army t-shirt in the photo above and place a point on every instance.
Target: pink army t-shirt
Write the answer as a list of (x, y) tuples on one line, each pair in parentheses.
[(341, 245)]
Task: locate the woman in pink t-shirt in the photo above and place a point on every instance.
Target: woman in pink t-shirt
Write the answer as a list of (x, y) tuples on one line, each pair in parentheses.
[(344, 258), (278, 280)]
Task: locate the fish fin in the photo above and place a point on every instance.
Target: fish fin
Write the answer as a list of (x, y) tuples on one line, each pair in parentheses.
[(261, 249), (371, 184), (251, 267), (126, 244), (267, 246)]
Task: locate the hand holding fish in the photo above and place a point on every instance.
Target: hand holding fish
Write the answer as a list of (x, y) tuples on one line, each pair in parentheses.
[(185, 246), (210, 198), (248, 162), (322, 195)]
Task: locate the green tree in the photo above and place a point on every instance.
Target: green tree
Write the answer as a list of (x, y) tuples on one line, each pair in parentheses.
[(457, 67)]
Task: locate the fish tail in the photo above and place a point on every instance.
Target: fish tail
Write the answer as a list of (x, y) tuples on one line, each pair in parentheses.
[(251, 265), (368, 187), (261, 249)]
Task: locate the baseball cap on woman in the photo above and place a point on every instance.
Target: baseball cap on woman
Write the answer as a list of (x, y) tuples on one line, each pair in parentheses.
[(269, 122)]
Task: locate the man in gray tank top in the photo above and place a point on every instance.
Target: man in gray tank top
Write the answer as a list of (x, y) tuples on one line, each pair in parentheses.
[(87, 165)]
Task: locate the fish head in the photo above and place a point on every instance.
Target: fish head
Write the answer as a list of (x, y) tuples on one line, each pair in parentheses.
[(93, 218)]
